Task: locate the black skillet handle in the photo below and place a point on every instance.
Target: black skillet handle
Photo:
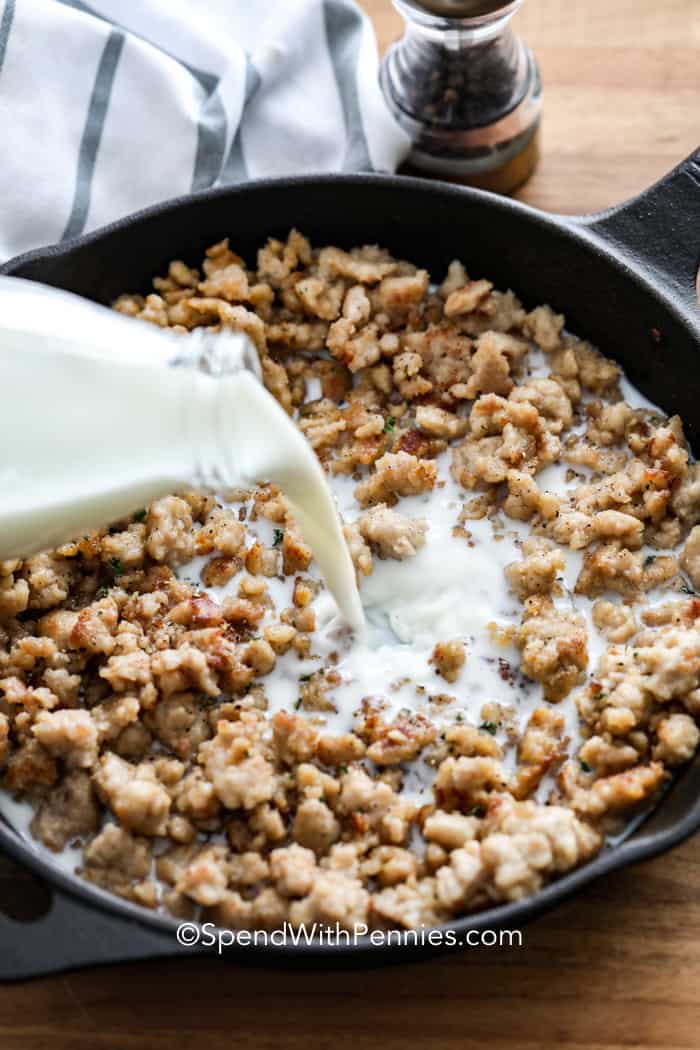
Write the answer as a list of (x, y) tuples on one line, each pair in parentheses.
[(660, 230), (74, 934)]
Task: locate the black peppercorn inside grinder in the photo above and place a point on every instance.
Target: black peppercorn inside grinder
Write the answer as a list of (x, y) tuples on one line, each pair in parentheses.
[(467, 91)]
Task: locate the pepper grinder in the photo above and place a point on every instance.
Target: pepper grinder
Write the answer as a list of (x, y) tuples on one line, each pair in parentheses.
[(467, 91)]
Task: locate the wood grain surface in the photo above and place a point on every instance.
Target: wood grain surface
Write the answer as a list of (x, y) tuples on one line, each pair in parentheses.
[(619, 966)]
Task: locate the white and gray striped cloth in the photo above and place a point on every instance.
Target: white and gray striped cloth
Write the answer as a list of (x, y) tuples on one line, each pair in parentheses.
[(112, 105)]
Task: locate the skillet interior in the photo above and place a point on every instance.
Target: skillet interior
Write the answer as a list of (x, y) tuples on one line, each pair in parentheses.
[(607, 297)]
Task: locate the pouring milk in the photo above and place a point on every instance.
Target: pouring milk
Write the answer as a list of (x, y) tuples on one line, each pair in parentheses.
[(102, 415)]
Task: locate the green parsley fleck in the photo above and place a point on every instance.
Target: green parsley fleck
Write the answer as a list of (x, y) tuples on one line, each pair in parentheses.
[(298, 704), (585, 768), (102, 592), (489, 727), (116, 566), (140, 515), (390, 425), (685, 589), (459, 717), (650, 559), (343, 767), (305, 677), (278, 537), (478, 811)]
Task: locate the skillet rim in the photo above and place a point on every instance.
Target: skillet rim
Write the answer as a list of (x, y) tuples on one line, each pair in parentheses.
[(639, 846), (591, 229)]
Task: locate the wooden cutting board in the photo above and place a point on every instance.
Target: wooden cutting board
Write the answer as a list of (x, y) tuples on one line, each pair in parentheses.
[(618, 967)]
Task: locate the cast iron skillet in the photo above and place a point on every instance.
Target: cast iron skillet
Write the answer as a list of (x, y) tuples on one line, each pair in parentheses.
[(625, 279)]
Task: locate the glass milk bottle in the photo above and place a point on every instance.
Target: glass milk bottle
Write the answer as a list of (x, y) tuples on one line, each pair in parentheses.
[(102, 414)]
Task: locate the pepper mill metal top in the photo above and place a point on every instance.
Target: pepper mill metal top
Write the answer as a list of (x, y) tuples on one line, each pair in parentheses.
[(467, 91)]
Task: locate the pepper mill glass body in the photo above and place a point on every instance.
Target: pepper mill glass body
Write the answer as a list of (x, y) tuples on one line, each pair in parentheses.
[(467, 91)]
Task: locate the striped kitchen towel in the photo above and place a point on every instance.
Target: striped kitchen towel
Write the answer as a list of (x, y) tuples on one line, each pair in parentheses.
[(112, 105)]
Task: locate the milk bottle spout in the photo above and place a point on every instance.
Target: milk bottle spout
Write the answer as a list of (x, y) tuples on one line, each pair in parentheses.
[(46, 313)]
